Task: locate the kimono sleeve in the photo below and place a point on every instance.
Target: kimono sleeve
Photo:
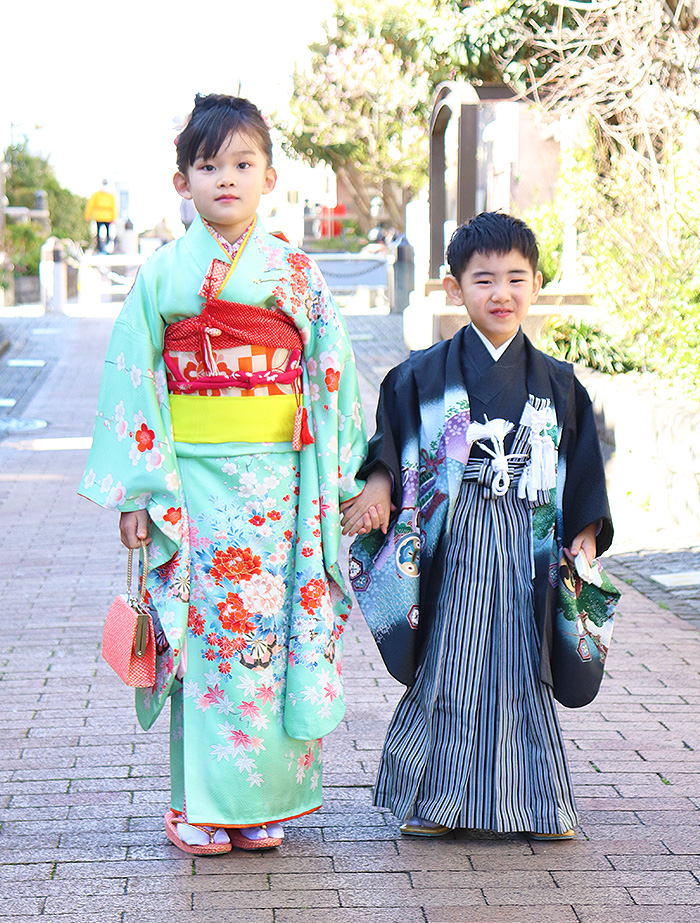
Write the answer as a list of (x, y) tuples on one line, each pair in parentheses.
[(132, 464), (333, 390)]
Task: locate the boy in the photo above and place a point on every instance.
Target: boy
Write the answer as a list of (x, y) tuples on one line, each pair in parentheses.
[(483, 445)]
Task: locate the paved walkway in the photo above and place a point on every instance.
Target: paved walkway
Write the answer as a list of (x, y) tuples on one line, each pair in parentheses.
[(83, 790)]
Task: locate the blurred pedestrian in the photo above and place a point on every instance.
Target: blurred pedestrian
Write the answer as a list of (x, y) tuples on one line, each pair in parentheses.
[(102, 209)]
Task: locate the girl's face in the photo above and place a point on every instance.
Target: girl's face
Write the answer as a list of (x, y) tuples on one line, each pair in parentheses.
[(226, 189)]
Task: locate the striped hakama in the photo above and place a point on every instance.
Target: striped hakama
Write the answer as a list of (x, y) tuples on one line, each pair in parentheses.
[(475, 742)]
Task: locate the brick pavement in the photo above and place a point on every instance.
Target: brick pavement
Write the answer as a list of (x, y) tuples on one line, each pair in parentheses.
[(83, 789)]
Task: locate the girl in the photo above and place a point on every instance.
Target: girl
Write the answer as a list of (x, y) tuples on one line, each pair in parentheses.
[(228, 431)]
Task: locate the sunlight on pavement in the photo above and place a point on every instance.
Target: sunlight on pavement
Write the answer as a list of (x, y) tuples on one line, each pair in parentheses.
[(58, 444)]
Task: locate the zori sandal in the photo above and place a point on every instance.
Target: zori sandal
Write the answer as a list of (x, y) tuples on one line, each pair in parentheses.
[(416, 826), (551, 837), (209, 849), (260, 839)]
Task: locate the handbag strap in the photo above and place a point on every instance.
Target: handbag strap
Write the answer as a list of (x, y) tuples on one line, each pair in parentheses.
[(143, 621), (144, 573)]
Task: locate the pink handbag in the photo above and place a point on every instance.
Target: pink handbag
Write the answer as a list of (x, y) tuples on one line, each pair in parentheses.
[(128, 639)]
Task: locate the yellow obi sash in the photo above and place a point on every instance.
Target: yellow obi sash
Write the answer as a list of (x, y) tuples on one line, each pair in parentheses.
[(200, 418)]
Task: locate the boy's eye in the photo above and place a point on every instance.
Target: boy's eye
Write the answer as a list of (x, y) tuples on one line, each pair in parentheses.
[(207, 167), (243, 165)]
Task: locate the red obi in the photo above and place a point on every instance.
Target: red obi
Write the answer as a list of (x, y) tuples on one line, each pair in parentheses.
[(225, 325)]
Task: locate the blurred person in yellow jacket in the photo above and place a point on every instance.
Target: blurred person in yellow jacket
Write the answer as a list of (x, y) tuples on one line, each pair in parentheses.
[(102, 209)]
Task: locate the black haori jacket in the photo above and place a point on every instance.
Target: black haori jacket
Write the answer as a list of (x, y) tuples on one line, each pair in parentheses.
[(425, 407)]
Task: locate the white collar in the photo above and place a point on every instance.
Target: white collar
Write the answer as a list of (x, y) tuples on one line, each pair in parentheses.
[(495, 351)]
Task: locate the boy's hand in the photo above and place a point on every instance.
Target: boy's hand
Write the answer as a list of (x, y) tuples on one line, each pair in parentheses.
[(585, 541), (371, 509), (133, 528)]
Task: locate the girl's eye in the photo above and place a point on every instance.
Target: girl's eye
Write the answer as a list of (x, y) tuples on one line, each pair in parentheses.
[(207, 167), (243, 165)]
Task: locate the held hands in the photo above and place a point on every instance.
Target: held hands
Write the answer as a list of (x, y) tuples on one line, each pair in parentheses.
[(370, 509), (133, 528), (585, 541)]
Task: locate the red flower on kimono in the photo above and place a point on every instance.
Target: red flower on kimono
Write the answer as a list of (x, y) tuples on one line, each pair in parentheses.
[(257, 521), (225, 667), (144, 438), (312, 593), (226, 647), (274, 515), (234, 564), (298, 261), (173, 515), (196, 622), (332, 379), (233, 615), (298, 282)]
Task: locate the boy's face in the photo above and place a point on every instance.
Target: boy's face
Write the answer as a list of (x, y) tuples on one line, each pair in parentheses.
[(497, 290), (226, 189)]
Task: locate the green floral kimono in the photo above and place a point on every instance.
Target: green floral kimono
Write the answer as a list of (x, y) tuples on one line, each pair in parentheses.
[(243, 580)]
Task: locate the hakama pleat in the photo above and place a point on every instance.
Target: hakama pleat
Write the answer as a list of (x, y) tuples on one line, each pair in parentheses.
[(476, 742)]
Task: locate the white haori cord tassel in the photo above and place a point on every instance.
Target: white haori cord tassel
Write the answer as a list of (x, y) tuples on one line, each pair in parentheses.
[(541, 471), (495, 431)]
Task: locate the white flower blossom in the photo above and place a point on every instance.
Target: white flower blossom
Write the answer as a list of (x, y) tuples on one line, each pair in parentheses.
[(263, 593), (116, 496), (154, 460)]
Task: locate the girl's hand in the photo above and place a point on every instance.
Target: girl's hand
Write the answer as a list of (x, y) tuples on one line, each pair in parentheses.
[(133, 528), (371, 509), (585, 541)]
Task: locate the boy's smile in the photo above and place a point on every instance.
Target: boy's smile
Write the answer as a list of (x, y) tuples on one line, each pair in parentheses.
[(497, 290), (226, 189)]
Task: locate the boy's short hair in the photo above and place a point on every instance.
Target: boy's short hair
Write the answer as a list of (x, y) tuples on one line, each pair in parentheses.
[(490, 232), (214, 118)]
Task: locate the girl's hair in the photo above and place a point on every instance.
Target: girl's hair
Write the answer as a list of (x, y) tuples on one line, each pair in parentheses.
[(490, 232), (214, 118)]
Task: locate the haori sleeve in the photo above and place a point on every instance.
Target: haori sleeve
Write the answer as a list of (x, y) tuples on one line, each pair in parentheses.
[(384, 448), (585, 499)]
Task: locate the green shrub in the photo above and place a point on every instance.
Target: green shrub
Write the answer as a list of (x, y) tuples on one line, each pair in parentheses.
[(23, 242), (587, 344)]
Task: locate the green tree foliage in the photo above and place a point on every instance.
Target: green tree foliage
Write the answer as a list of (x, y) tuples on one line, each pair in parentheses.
[(361, 107), (28, 173), (482, 41), (633, 72)]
